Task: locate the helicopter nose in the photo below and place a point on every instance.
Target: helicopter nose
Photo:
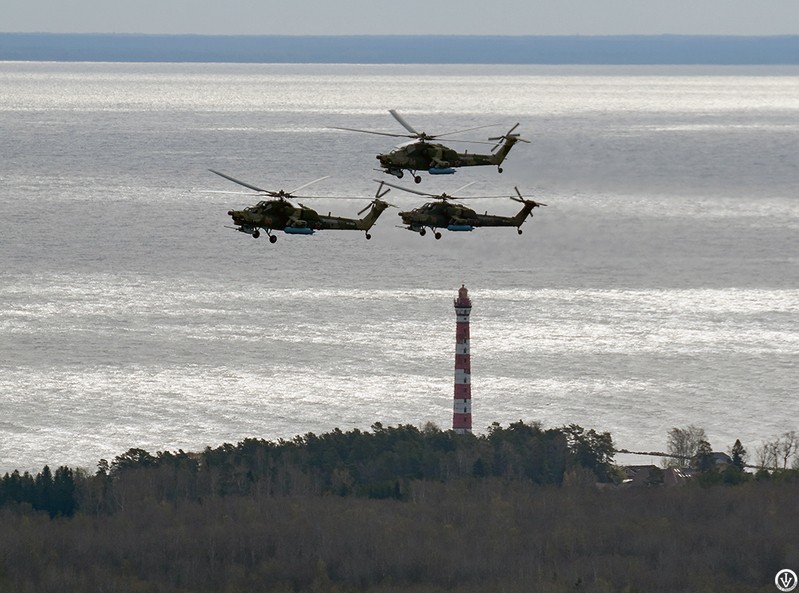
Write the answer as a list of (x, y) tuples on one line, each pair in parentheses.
[(237, 216)]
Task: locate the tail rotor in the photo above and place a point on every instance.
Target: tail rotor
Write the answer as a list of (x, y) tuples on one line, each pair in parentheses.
[(522, 200), (378, 199), (501, 139)]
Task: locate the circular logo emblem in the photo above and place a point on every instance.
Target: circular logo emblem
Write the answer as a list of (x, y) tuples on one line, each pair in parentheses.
[(786, 580)]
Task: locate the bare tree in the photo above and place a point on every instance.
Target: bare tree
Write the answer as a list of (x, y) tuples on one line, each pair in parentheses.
[(787, 445), (766, 455), (682, 444), (777, 452)]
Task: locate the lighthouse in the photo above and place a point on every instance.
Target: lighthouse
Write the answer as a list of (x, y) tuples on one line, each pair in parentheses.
[(462, 403)]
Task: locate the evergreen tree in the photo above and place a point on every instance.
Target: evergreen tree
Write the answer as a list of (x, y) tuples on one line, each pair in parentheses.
[(704, 456), (738, 455), (63, 494)]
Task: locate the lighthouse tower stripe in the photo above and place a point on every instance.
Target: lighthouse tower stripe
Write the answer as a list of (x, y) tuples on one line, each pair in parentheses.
[(462, 401)]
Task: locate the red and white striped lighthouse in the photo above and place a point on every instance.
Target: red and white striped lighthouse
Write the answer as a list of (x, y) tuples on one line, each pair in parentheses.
[(462, 404)]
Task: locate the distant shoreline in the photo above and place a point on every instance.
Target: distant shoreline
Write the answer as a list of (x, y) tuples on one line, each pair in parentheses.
[(404, 49)]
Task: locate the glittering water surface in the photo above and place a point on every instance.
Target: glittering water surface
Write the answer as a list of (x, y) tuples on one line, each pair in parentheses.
[(658, 288)]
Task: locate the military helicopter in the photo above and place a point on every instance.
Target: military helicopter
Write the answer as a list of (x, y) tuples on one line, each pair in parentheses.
[(443, 213), (278, 214), (421, 154)]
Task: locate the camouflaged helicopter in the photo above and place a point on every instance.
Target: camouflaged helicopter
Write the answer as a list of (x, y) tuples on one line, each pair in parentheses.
[(421, 154), (278, 214), (443, 213)]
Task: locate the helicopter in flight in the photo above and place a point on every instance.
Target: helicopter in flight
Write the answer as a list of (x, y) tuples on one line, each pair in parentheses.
[(278, 214), (443, 213), (421, 154)]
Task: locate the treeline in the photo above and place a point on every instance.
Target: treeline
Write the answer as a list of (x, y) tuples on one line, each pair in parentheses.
[(388, 510), (377, 464)]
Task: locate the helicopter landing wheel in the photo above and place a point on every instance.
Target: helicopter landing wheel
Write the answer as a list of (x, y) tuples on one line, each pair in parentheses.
[(422, 233), (273, 239), (437, 235), (368, 236), (417, 179), (400, 174), (499, 169), (256, 233), (519, 231)]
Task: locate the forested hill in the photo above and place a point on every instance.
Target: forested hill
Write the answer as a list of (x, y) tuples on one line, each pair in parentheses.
[(402, 49), (395, 509)]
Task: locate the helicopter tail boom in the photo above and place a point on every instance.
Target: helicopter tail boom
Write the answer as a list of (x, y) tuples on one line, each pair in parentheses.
[(376, 209)]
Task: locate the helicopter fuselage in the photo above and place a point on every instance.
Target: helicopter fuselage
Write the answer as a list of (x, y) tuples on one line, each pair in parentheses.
[(458, 218), (438, 159), (276, 215)]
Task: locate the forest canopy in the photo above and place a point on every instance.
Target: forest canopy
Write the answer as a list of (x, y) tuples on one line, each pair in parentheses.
[(520, 508)]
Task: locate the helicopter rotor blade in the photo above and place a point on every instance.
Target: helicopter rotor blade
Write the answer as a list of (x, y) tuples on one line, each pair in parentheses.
[(461, 141), (378, 193), (223, 191), (422, 136), (500, 139), (373, 132), (521, 199), (507, 134), (374, 203), (464, 130), (242, 183), (412, 191), (462, 188), (404, 123), (425, 136), (306, 185)]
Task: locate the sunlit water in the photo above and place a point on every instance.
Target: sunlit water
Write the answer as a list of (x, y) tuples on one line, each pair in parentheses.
[(658, 288)]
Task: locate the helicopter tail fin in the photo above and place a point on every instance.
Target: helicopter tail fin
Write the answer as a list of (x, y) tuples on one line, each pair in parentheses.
[(504, 144), (527, 208), (375, 207)]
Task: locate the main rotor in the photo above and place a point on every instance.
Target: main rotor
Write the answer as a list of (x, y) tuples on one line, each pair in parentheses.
[(413, 133), (279, 194)]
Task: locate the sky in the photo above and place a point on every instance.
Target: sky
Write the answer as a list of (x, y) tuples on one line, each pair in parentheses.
[(403, 17)]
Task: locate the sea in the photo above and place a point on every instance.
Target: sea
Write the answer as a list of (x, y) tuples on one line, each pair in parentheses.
[(658, 287)]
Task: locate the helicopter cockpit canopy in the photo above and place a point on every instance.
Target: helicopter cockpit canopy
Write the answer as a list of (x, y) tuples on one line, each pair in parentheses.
[(407, 147)]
